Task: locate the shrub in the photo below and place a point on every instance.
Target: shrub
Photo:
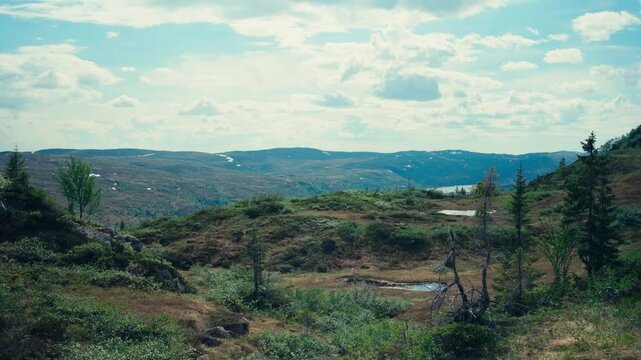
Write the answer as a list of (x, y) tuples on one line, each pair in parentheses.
[(403, 237), (113, 278), (379, 231), (328, 246), (611, 284), (441, 234), (162, 272), (465, 341), (96, 254), (285, 346), (28, 250), (348, 231), (629, 217), (262, 205), (410, 238)]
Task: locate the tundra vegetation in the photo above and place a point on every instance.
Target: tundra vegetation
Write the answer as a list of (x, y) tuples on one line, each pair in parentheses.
[(547, 269)]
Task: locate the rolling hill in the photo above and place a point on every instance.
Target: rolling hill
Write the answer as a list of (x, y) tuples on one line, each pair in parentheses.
[(139, 183)]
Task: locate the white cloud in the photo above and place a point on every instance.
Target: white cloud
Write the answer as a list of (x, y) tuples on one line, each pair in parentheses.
[(416, 87), (201, 107), (629, 76), (518, 65), (127, 69), (559, 37), (606, 70), (601, 25), (561, 56), (124, 101), (49, 73), (577, 87), (289, 21), (335, 100), (112, 34)]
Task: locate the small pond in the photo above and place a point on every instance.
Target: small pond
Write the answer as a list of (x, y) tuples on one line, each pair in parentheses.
[(469, 213), (413, 286)]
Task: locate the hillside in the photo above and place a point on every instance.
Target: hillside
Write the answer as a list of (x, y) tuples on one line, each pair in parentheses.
[(139, 184), (104, 300)]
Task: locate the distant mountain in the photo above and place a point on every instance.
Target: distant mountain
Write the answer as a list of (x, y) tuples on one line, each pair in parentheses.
[(139, 183)]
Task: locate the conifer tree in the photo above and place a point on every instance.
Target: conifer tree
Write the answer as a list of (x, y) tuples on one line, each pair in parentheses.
[(15, 169), (515, 271), (588, 205)]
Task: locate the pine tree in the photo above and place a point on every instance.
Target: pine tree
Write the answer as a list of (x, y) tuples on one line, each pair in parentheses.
[(588, 205), (605, 235), (515, 271), (15, 170)]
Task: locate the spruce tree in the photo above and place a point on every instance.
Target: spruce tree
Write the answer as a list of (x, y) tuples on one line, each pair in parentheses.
[(15, 169), (515, 271), (588, 205)]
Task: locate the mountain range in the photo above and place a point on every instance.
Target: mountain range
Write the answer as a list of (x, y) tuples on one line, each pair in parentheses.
[(140, 183)]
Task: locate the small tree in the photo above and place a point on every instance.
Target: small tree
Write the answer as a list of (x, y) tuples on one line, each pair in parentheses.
[(558, 245), (79, 187), (588, 206), (256, 251), (488, 190), (15, 170), (515, 271)]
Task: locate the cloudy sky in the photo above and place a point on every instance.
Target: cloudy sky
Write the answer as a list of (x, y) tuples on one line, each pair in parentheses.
[(509, 76)]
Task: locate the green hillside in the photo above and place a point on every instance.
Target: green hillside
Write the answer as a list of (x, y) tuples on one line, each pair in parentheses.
[(141, 184), (337, 268)]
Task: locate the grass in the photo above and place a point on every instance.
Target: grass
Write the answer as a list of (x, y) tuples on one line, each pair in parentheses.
[(577, 330)]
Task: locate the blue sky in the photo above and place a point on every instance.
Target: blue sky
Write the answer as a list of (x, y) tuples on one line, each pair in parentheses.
[(508, 76)]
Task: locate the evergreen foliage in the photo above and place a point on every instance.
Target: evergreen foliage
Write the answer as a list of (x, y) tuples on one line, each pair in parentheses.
[(515, 269), (588, 205)]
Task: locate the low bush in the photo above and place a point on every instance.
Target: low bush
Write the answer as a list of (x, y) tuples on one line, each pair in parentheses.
[(29, 250), (403, 237), (610, 284), (262, 205), (286, 346), (233, 288), (465, 341), (113, 278), (629, 217), (411, 238), (348, 231), (378, 231), (441, 235)]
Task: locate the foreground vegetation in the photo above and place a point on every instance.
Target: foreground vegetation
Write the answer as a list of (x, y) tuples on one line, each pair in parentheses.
[(188, 287)]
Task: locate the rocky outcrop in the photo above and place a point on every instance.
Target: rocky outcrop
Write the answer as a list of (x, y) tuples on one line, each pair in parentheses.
[(96, 234), (213, 336), (131, 240), (208, 340), (240, 328)]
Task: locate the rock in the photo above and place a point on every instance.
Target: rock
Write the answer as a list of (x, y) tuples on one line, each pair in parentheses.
[(96, 235), (176, 285), (106, 230), (132, 240), (219, 332), (240, 328), (208, 340)]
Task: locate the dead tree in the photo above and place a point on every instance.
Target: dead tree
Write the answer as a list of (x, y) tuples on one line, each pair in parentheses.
[(465, 305), (470, 305), (489, 188), (256, 250)]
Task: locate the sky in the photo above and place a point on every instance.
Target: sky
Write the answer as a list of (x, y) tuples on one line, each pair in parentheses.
[(496, 76)]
